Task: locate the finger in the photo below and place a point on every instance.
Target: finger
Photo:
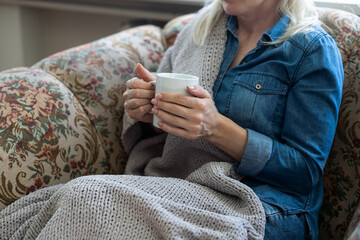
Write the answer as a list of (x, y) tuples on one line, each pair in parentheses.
[(143, 110), (198, 91), (197, 104), (137, 102), (180, 99), (139, 93), (143, 118), (136, 83), (141, 113), (144, 73), (177, 121), (170, 118), (172, 108), (180, 132)]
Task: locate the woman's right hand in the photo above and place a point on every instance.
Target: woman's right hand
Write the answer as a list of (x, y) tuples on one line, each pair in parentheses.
[(138, 95)]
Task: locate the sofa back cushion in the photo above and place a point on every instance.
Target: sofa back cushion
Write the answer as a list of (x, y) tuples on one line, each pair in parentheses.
[(96, 74)]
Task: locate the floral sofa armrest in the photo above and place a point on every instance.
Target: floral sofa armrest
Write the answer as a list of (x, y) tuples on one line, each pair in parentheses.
[(62, 118), (341, 175), (96, 73), (45, 135), (353, 231)]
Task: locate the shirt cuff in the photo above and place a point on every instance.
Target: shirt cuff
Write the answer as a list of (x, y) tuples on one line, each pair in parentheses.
[(257, 153)]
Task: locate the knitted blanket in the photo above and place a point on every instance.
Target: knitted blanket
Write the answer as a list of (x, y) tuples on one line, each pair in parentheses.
[(188, 189), (210, 204)]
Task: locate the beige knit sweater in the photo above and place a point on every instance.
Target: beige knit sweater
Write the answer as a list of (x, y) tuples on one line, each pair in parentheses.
[(174, 156)]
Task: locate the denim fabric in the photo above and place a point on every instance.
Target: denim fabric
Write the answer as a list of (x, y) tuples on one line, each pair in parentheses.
[(281, 226), (287, 96)]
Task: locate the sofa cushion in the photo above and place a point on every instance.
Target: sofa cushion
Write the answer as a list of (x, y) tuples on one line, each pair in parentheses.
[(46, 138), (96, 74), (341, 176), (173, 27)]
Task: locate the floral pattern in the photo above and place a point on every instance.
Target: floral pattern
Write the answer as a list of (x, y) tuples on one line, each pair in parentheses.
[(173, 27), (341, 176), (43, 131), (65, 120), (96, 73), (353, 231)]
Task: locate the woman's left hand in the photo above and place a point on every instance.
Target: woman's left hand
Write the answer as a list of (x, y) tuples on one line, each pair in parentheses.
[(192, 117)]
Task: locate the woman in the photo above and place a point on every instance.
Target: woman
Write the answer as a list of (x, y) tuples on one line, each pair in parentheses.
[(251, 143), (271, 82)]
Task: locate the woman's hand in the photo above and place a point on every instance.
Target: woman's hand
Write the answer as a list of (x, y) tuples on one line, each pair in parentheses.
[(138, 95), (195, 117), (191, 117)]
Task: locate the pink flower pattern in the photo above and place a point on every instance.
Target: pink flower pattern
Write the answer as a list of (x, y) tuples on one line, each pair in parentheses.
[(95, 73)]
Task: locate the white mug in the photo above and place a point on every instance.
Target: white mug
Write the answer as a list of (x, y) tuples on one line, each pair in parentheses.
[(175, 83)]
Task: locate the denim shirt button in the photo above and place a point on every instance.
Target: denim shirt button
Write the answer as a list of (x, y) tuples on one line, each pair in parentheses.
[(258, 86)]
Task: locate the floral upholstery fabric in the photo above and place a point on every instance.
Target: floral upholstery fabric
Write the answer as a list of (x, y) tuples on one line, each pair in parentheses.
[(96, 73), (46, 138), (82, 88), (341, 176), (62, 118), (353, 231), (173, 27)]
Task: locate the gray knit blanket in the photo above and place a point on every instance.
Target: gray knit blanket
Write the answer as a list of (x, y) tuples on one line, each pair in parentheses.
[(176, 188), (210, 204)]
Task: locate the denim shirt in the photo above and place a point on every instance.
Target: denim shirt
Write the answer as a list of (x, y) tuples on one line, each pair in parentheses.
[(287, 96)]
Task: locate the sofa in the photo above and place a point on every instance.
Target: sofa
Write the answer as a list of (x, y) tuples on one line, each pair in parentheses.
[(62, 117)]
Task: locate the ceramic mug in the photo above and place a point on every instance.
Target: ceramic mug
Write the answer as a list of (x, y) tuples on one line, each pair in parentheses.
[(174, 83)]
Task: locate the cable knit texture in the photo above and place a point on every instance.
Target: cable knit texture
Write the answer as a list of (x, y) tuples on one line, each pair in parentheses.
[(138, 207), (190, 189)]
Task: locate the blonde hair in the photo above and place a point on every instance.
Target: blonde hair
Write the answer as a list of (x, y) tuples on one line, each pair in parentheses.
[(302, 13)]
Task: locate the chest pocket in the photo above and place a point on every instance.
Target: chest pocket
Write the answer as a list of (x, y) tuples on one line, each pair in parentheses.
[(257, 101)]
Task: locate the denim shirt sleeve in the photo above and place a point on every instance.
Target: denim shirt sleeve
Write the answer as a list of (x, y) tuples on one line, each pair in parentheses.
[(296, 159)]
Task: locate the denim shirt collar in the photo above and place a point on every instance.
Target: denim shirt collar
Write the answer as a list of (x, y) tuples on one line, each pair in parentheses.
[(274, 33)]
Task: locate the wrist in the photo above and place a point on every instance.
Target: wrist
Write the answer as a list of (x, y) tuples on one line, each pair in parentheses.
[(218, 129), (229, 137)]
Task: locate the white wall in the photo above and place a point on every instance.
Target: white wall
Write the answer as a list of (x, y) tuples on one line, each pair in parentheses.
[(11, 49), (62, 30), (33, 29), (30, 34)]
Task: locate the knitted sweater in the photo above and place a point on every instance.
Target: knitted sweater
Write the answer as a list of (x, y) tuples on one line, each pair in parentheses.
[(170, 155), (167, 155), (198, 196)]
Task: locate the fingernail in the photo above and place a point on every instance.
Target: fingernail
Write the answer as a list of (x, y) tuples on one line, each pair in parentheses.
[(158, 96), (154, 102), (192, 87), (154, 110), (160, 124)]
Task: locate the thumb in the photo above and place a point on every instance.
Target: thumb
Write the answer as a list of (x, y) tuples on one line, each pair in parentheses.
[(198, 91), (144, 73)]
